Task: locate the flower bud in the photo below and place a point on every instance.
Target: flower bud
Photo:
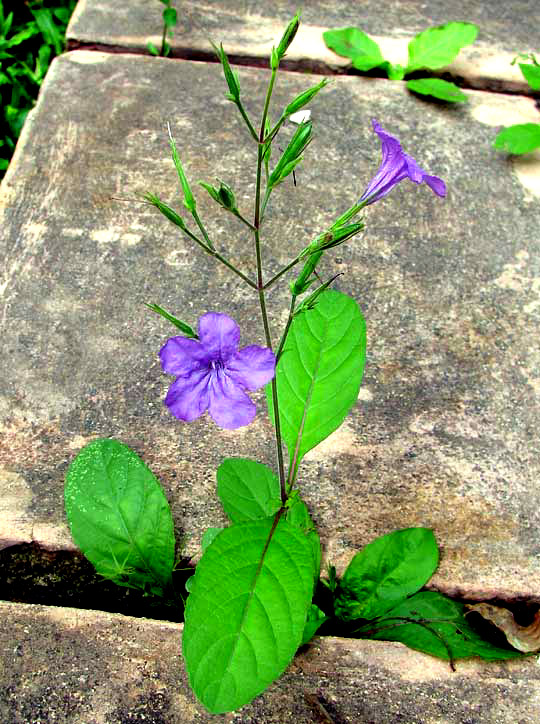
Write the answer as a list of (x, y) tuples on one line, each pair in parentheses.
[(304, 98), (303, 282), (288, 36), (292, 154), (165, 210), (274, 59), (333, 237)]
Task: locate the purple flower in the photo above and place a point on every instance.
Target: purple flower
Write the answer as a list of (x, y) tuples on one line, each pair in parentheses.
[(395, 166), (212, 373)]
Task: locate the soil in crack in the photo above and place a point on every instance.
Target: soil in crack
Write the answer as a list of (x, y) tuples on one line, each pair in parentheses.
[(30, 574)]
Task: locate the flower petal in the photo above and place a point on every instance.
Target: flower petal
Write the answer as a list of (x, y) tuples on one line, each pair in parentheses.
[(188, 397), (395, 166), (252, 367), (436, 184), (219, 335), (181, 356), (229, 405)]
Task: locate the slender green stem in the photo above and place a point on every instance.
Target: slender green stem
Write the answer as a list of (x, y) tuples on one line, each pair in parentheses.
[(270, 137), (246, 119), (286, 330), (220, 258), (163, 40), (265, 201), (260, 287), (267, 104), (352, 211), (203, 230), (246, 222), (285, 269)]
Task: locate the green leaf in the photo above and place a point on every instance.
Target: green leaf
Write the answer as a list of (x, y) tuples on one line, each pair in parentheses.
[(48, 28), (182, 326), (319, 372), (119, 516), (521, 138), (169, 17), (531, 73), (298, 515), (439, 46), (209, 536), (315, 620), (247, 489), (355, 44), (437, 88), (439, 628), (152, 48), (246, 613), (385, 572)]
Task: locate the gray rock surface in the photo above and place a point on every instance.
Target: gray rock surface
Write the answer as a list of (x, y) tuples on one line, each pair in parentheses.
[(249, 29), (444, 434), (69, 666)]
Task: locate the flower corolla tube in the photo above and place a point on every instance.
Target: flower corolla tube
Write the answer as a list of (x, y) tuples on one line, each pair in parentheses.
[(213, 374), (395, 166)]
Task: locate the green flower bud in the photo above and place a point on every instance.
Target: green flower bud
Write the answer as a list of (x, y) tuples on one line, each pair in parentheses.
[(227, 198), (304, 98), (333, 237), (303, 282), (274, 59), (165, 210), (292, 154), (288, 36)]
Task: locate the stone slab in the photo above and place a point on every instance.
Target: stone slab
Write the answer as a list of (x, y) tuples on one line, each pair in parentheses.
[(69, 666), (444, 434), (249, 29)]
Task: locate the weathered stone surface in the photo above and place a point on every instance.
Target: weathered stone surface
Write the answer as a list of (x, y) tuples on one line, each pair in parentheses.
[(445, 431), (249, 29), (69, 666)]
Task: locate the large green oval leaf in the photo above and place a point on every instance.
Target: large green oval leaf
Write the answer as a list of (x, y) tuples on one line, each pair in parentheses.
[(119, 515), (385, 572), (248, 490), (438, 88), (246, 613), (436, 47), (319, 373)]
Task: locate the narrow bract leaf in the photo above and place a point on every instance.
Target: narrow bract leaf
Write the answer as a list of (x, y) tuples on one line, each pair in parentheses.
[(319, 372), (189, 201), (119, 516), (441, 629), (182, 326), (437, 88), (355, 44), (246, 613), (439, 46), (385, 572), (247, 489), (521, 138)]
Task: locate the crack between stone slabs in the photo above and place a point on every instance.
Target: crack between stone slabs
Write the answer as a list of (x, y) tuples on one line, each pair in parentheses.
[(307, 65), (31, 574)]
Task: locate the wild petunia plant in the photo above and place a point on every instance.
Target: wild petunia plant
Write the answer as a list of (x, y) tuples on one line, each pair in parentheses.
[(256, 595)]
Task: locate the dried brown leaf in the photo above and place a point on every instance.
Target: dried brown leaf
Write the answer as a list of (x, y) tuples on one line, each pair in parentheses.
[(522, 638)]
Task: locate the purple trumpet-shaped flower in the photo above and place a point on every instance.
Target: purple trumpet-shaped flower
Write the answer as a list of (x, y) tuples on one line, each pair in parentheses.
[(395, 166), (212, 373)]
